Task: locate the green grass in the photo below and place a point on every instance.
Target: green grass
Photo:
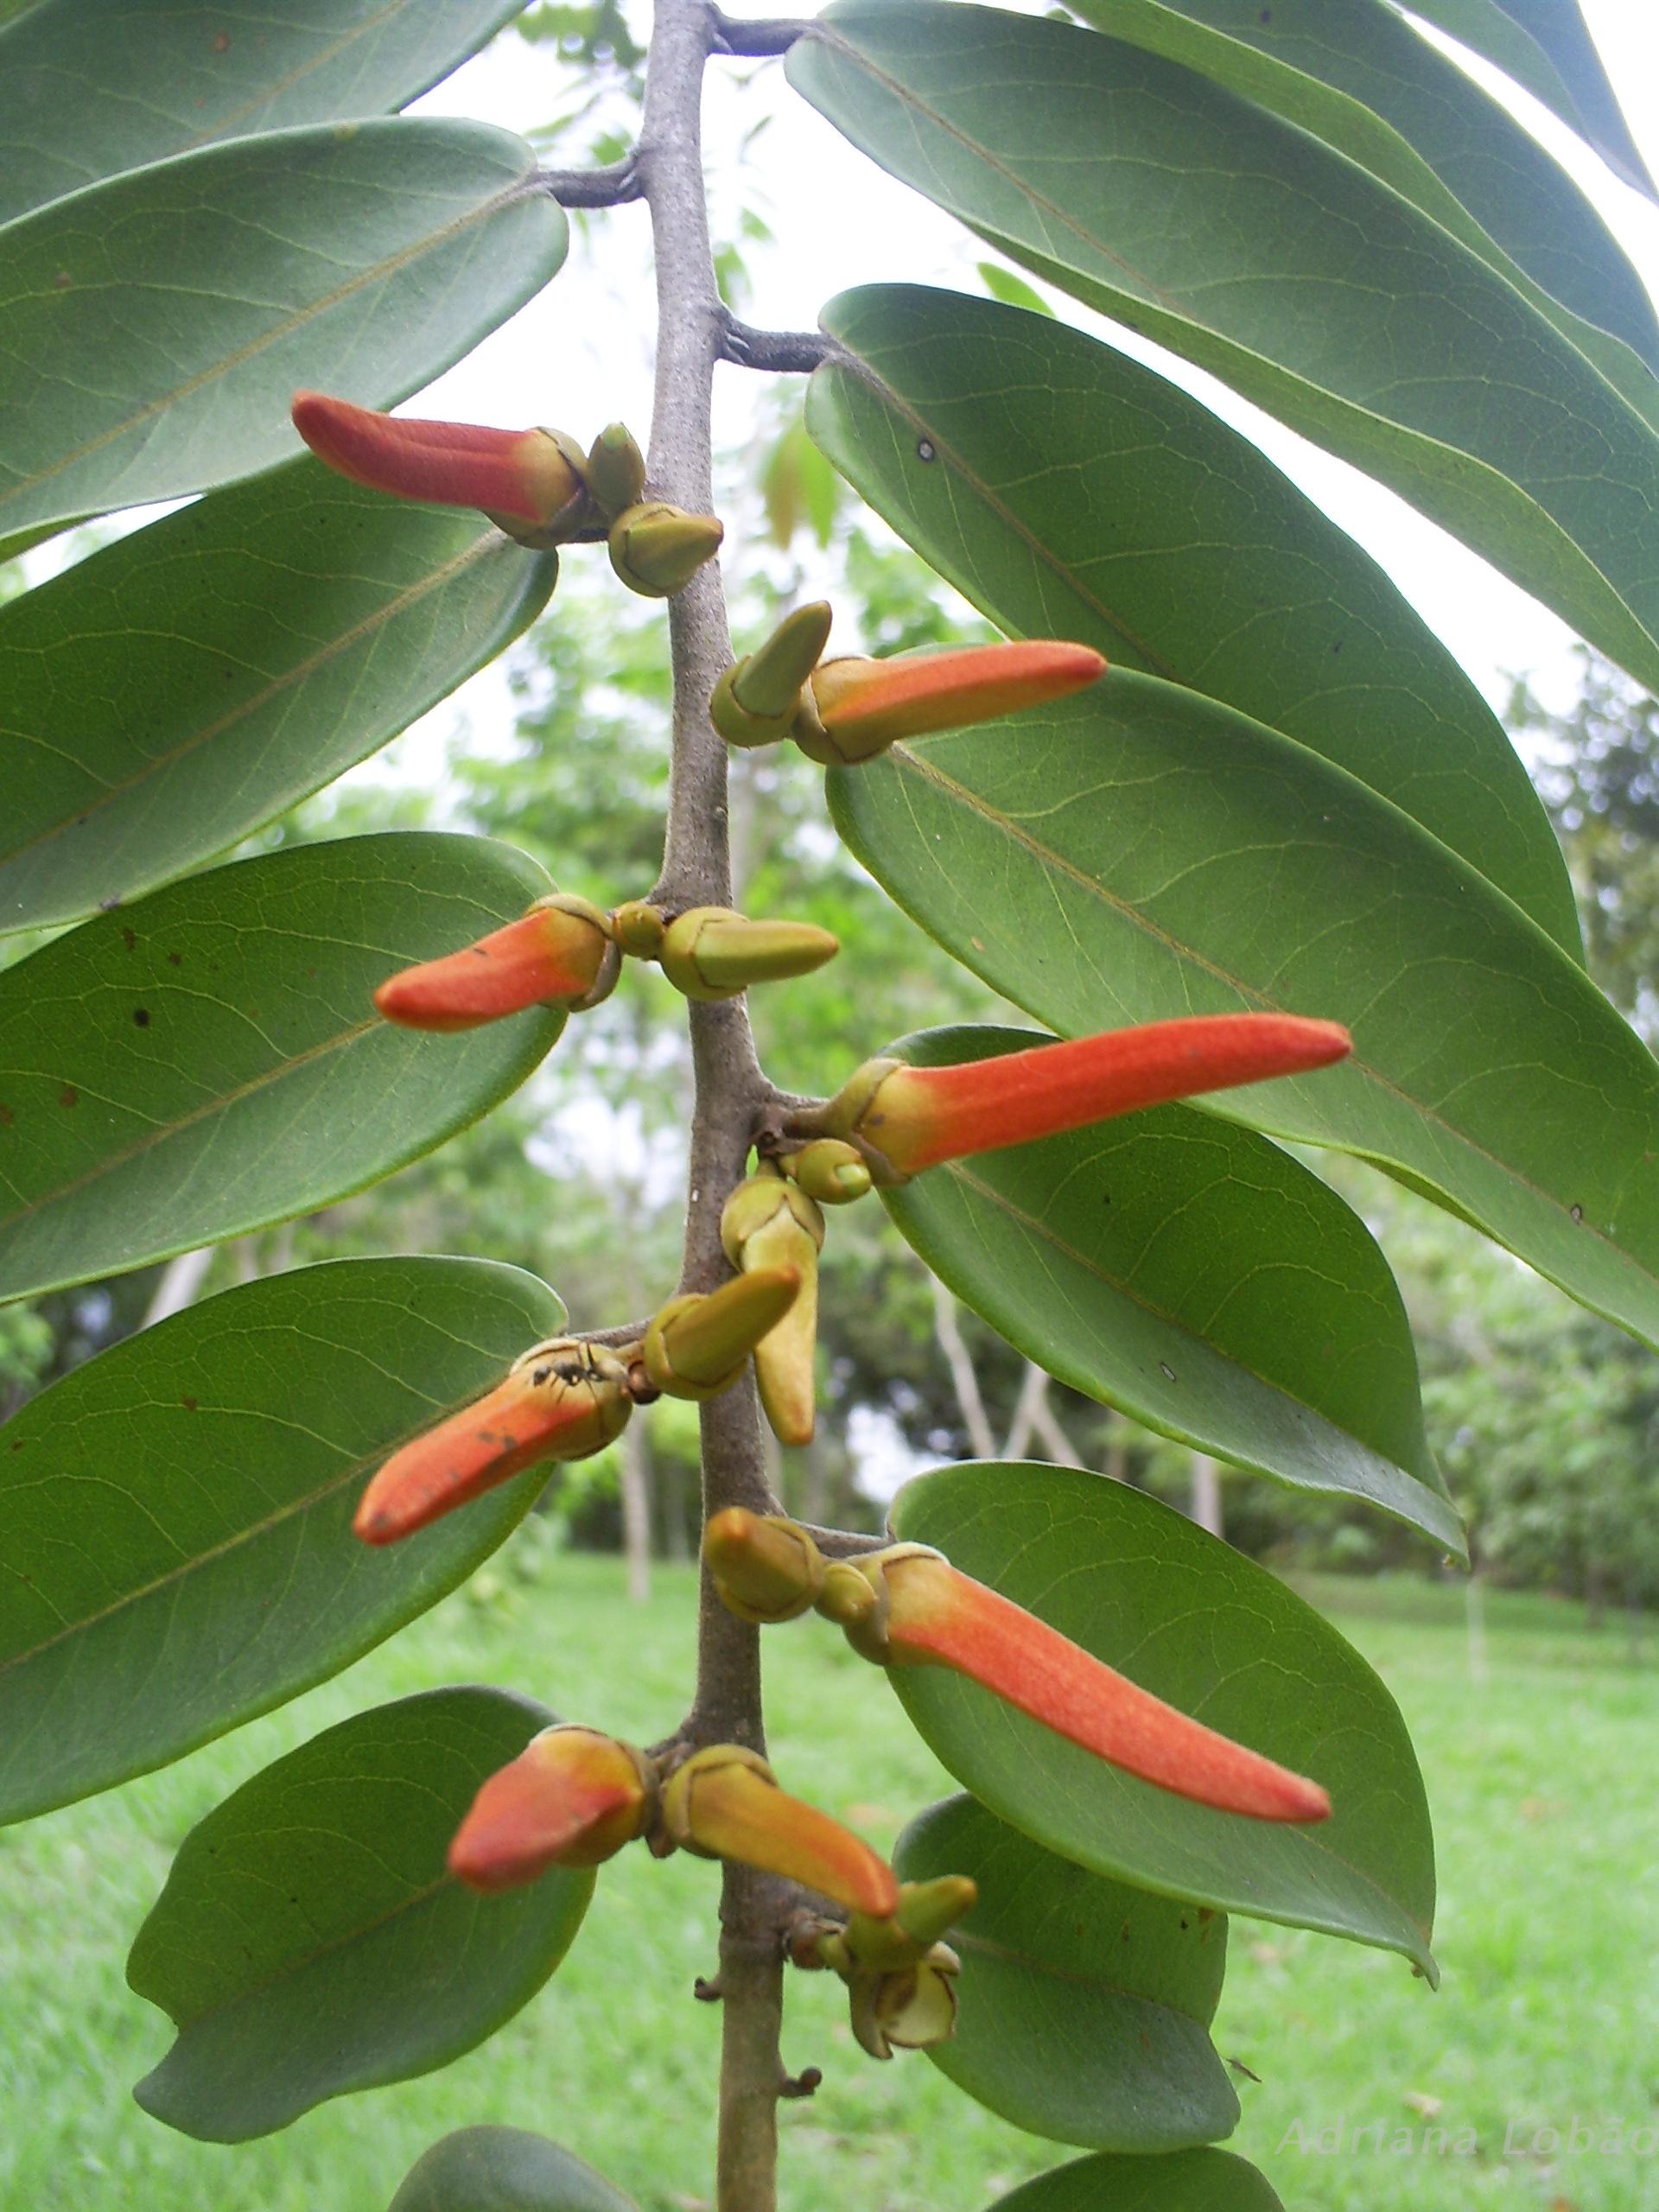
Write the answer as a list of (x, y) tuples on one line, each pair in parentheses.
[(1542, 1779)]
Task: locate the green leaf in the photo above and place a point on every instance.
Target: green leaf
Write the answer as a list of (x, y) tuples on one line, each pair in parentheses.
[(1083, 2004), (310, 1941), (210, 1061), (1191, 2181), (1544, 45), (1236, 240), (1069, 492), (504, 2170), (1198, 1624), (188, 683), (359, 258), (1375, 93), (1140, 852), (1196, 1277), (91, 87), (201, 1475), (1014, 291)]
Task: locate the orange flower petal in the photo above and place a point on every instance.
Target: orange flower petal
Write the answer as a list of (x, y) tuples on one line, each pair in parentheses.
[(545, 958), (919, 1116), (882, 701), (938, 1617), (456, 464), (572, 1797)]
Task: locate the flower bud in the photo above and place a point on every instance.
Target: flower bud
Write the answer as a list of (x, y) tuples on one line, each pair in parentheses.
[(709, 952), (562, 1400), (696, 1347), (908, 2008), (571, 1798), (862, 707), (756, 701), (829, 1170), (763, 1568), (767, 1222), (929, 1615), (909, 1118), (558, 954), (529, 483), (656, 550), (724, 1803), (639, 928), (615, 471)]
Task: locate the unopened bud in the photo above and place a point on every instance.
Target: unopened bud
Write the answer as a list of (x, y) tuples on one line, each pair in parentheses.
[(927, 1614), (768, 1222), (829, 1170), (909, 2008), (639, 928), (723, 1802), (615, 471), (559, 954), (562, 1400), (756, 701), (572, 1797), (862, 707), (656, 550), (909, 1118), (529, 483), (709, 952), (696, 1346), (763, 1568)]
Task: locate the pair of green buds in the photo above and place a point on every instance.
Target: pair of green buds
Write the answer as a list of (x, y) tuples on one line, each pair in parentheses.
[(574, 1798), (538, 486), (841, 712), (567, 952)]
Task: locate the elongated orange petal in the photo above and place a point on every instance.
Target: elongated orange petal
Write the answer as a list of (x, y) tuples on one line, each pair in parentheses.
[(882, 701), (544, 958), (941, 1618), (523, 1420), (458, 464), (571, 1798), (728, 1808), (919, 1116)]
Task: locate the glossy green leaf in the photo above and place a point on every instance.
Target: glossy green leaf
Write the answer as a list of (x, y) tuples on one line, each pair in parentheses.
[(1196, 1277), (201, 1475), (1209, 1630), (91, 87), (1140, 852), (1083, 2004), (1369, 86), (1071, 492), (1235, 239), (210, 1060), (310, 1941), (182, 687), (1191, 2181), (1545, 46), (153, 329), (504, 2170)]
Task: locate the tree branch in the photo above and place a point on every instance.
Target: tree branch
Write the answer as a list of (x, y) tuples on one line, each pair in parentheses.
[(728, 1086), (793, 352), (766, 36), (607, 187)]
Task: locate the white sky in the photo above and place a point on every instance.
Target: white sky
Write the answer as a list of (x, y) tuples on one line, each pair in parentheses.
[(580, 353)]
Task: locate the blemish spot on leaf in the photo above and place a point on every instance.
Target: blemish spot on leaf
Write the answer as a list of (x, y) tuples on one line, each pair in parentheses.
[(140, 1016), (68, 1096), (129, 939), (1167, 1372), (926, 450), (190, 1404), (1576, 1212)]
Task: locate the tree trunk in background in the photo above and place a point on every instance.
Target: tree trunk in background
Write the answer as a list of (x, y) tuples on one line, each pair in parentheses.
[(980, 1441), (635, 1454), (180, 1280), (1206, 1494)]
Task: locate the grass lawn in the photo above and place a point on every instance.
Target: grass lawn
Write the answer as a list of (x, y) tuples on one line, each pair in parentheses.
[(1541, 1778)]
